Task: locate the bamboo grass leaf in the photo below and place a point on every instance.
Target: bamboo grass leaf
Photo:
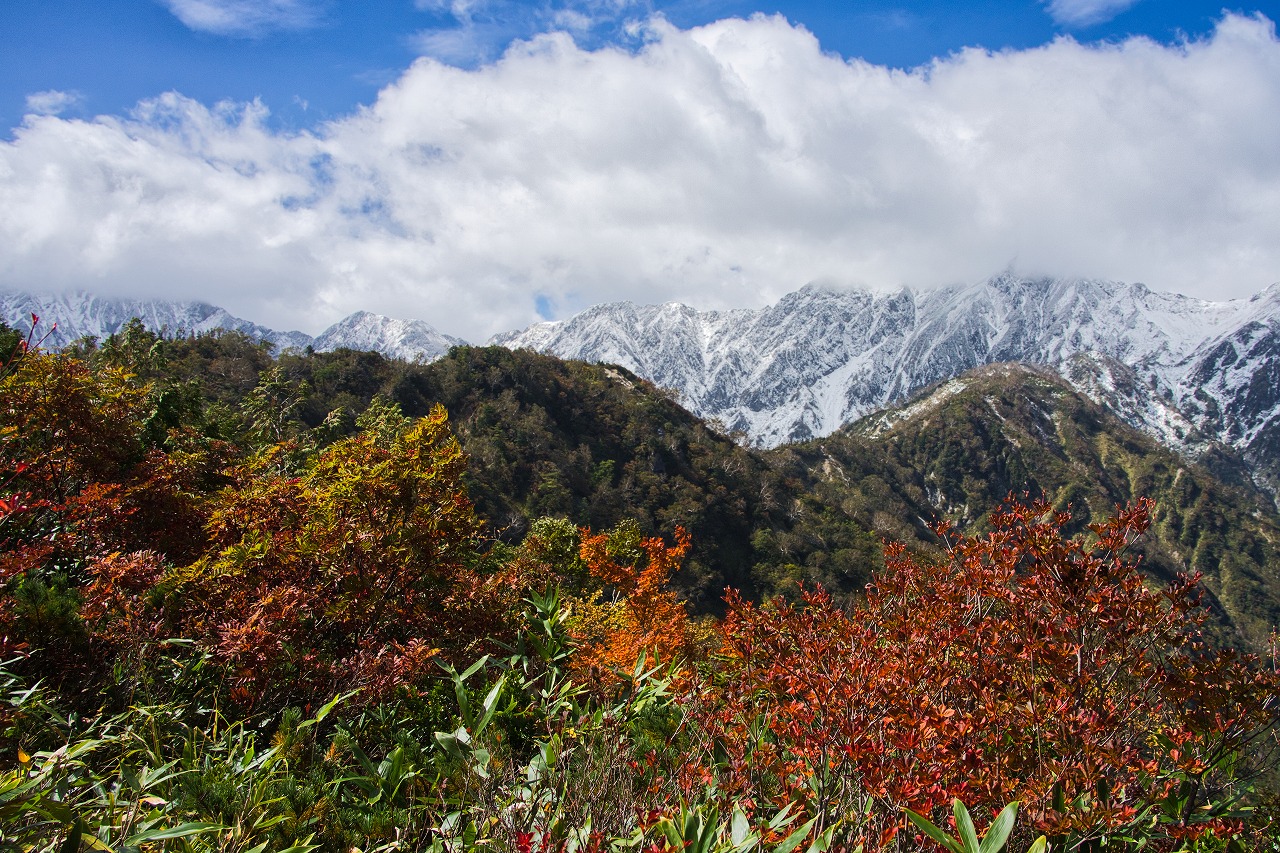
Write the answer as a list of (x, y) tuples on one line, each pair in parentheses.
[(998, 832)]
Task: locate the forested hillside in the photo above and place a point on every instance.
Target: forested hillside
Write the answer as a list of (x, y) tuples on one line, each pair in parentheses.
[(547, 437), (595, 444), (964, 447), (335, 602)]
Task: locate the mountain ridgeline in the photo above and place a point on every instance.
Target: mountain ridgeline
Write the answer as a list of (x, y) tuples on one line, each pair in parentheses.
[(1198, 376), (598, 444), (1201, 377)]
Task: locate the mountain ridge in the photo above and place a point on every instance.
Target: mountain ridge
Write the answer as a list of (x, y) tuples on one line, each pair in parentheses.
[(81, 314), (964, 445), (1202, 377), (1198, 375), (597, 444)]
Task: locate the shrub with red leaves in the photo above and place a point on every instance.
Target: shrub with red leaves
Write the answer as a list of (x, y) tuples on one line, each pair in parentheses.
[(1028, 666)]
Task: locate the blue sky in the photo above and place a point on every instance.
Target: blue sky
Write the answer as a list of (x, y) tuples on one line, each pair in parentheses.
[(483, 163), (313, 61)]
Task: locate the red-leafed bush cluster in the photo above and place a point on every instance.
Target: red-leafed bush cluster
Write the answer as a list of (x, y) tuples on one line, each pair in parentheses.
[(351, 573), (1028, 666)]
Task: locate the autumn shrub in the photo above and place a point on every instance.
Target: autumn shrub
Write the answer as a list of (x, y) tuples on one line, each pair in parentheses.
[(83, 488), (354, 572), (1028, 666), (634, 611)]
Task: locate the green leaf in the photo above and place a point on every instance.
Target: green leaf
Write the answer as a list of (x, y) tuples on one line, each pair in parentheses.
[(490, 705), (72, 844), (480, 764), (364, 759), (180, 831), (95, 844), (739, 828), (1040, 845), (822, 843), (672, 832), (782, 818), (934, 832), (305, 846), (998, 832), (81, 747), (964, 824), (792, 841), (326, 709)]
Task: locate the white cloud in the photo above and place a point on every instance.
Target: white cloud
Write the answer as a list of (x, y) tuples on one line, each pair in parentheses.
[(1084, 13), (52, 102), (721, 166), (244, 17), (460, 45), (483, 28), (458, 8)]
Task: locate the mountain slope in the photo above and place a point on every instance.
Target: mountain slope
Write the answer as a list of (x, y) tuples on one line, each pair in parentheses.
[(971, 441), (1198, 373), (80, 314), (597, 444)]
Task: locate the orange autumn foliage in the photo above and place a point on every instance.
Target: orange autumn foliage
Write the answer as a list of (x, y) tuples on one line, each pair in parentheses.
[(86, 493), (645, 616)]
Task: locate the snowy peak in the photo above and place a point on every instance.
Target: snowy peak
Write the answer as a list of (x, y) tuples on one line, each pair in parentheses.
[(410, 340), (79, 314)]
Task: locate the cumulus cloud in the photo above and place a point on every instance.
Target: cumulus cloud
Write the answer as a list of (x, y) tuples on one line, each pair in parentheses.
[(52, 102), (1084, 13), (724, 165), (244, 17)]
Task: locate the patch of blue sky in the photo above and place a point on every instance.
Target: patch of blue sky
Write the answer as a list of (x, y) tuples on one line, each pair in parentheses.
[(320, 178), (544, 306), (373, 214), (310, 61)]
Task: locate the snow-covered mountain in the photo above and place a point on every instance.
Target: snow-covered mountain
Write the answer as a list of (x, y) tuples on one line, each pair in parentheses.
[(79, 314), (411, 340), (1188, 371)]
